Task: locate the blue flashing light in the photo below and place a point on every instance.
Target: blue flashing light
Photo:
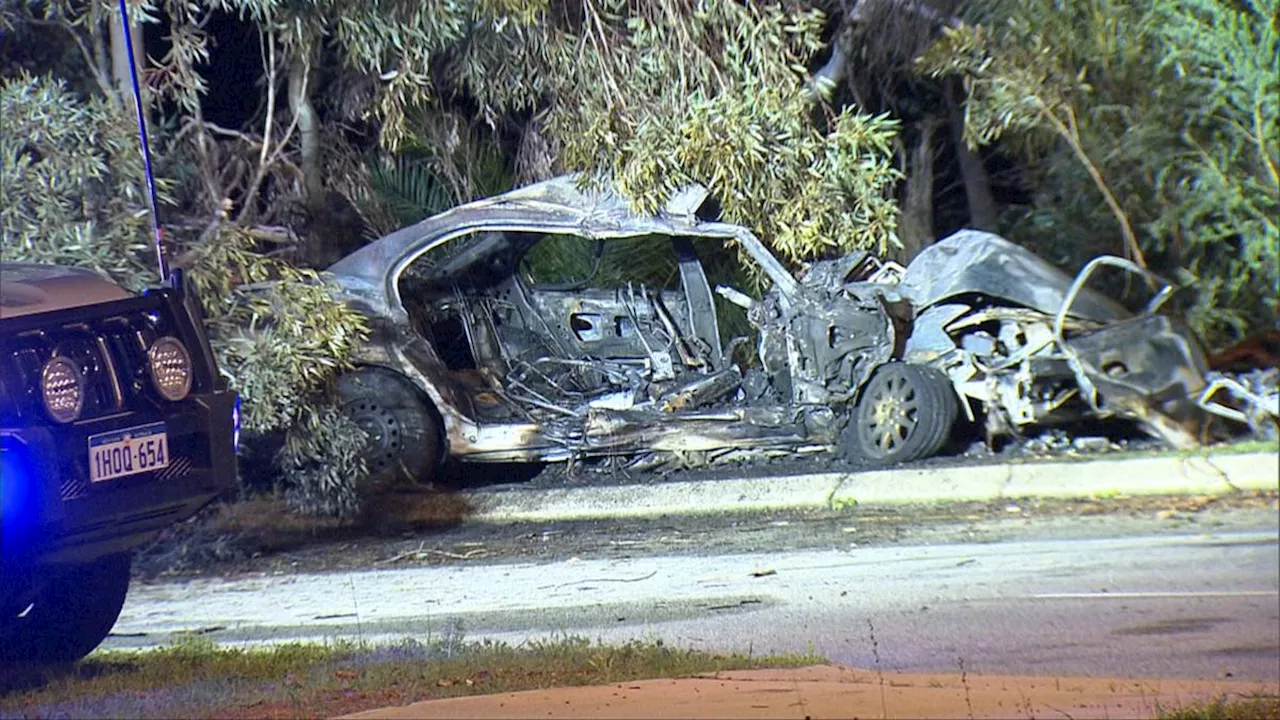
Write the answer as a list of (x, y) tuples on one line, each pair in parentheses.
[(235, 426), (18, 500)]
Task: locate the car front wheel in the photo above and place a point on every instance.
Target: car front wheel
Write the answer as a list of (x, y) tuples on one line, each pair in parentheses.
[(904, 413), (69, 616)]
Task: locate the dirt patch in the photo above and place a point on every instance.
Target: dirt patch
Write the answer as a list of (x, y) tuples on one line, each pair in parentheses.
[(427, 528), (838, 692), (229, 534)]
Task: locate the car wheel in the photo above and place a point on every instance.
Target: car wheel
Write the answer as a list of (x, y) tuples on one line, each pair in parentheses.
[(904, 413), (70, 616), (404, 432)]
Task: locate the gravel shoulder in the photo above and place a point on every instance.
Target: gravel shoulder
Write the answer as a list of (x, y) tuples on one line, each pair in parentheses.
[(426, 528)]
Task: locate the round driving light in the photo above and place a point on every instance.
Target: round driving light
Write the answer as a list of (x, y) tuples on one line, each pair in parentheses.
[(62, 388), (170, 368)]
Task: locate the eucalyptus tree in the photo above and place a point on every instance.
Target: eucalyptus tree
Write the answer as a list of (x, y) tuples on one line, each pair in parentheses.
[(1149, 128), (72, 193), (650, 95)]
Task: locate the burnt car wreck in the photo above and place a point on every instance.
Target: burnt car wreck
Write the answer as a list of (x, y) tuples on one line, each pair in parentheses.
[(554, 324)]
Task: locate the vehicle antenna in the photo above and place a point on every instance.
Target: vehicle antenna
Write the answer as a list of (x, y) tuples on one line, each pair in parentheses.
[(161, 260)]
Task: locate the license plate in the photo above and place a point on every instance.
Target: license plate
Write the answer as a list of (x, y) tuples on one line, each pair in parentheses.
[(128, 452)]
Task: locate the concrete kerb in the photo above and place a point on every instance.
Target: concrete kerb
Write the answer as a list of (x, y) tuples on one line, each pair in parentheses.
[(1195, 475), (1070, 479), (655, 499)]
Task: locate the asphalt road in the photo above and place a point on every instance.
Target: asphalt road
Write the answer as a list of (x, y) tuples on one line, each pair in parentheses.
[(1129, 596)]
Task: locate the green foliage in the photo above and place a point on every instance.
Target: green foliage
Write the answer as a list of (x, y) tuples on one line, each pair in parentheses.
[(420, 180), (1029, 84), (279, 335), (568, 260), (1160, 116), (395, 40), (72, 195), (196, 677), (657, 95), (1221, 194), (72, 183), (281, 339), (652, 95), (322, 462), (410, 187), (1249, 707)]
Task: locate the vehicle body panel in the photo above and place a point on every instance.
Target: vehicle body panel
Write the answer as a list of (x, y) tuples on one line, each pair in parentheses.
[(30, 288), (974, 263), (520, 371)]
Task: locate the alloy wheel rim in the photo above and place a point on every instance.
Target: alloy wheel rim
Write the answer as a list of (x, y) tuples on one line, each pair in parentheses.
[(891, 416)]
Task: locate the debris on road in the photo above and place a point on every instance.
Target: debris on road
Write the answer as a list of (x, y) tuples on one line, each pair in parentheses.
[(1258, 395), (422, 553)]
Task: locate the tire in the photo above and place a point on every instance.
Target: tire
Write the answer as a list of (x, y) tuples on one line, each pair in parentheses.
[(904, 413), (404, 430), (70, 616)]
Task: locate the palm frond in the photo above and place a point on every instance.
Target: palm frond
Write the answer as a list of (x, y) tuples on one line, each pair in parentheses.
[(411, 187)]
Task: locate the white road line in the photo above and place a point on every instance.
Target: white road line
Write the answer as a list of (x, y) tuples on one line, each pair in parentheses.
[(1139, 595)]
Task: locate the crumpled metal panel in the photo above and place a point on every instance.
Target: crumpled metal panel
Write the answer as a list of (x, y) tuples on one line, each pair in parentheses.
[(555, 202), (1148, 369), (974, 262)]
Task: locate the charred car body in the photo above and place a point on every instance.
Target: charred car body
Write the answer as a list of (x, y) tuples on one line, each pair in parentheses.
[(114, 424), (525, 327)]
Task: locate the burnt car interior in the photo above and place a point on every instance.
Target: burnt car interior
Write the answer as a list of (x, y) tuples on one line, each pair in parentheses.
[(530, 323)]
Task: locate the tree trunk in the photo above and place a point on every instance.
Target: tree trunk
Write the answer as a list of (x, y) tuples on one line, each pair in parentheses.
[(915, 227), (308, 124), (984, 214), (537, 158), (99, 54)]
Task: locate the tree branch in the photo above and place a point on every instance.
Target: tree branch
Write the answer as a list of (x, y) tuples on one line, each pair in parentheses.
[(1260, 133), (98, 74), (271, 92), (1072, 136), (251, 193)]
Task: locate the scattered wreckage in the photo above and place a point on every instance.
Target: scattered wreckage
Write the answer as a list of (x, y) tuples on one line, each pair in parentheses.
[(555, 324)]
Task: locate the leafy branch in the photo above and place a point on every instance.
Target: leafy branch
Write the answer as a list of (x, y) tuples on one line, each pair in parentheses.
[(1020, 88)]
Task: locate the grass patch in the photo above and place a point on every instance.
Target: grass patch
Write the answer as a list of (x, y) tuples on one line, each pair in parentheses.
[(1266, 707), (197, 678), (1249, 446), (1240, 447)]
